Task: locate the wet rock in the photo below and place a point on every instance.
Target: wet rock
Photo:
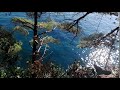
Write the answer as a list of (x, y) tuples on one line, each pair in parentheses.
[(100, 71)]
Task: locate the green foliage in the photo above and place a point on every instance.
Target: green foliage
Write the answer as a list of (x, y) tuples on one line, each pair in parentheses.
[(84, 44), (22, 21), (49, 39), (21, 29), (51, 70), (9, 48), (17, 47), (46, 40), (90, 40), (12, 72), (48, 25), (6, 40), (46, 70), (67, 27), (29, 24), (2, 74)]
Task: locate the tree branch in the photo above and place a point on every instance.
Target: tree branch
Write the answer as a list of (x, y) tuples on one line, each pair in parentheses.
[(98, 40), (28, 26), (45, 32), (77, 20), (40, 45), (112, 31), (44, 51)]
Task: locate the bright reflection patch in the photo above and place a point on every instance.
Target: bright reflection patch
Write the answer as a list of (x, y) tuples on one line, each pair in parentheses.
[(101, 56)]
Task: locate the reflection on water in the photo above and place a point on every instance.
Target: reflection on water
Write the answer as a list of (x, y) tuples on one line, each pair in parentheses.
[(103, 56)]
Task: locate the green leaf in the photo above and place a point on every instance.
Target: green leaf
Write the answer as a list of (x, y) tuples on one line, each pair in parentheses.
[(66, 26), (50, 39), (19, 20), (29, 24), (46, 40), (48, 25), (21, 30), (83, 44), (26, 23), (17, 47), (88, 41)]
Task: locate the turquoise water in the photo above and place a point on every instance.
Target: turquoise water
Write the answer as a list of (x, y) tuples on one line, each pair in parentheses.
[(65, 52)]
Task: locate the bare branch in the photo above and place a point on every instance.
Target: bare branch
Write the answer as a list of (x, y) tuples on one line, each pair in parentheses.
[(27, 26), (77, 20), (40, 45), (44, 51), (99, 39), (112, 31)]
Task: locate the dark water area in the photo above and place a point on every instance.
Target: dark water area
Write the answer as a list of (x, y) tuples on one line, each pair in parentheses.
[(64, 53)]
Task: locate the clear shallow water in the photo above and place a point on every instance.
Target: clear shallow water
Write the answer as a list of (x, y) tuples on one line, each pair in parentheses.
[(64, 53)]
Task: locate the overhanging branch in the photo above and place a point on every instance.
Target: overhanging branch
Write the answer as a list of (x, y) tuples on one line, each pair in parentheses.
[(77, 20)]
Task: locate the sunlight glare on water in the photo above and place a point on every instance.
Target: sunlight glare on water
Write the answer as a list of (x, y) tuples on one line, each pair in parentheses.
[(100, 56)]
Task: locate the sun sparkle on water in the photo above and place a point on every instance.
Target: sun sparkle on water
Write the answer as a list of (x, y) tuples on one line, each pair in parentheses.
[(100, 56)]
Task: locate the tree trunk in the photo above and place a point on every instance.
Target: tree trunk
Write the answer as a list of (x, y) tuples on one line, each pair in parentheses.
[(35, 37)]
